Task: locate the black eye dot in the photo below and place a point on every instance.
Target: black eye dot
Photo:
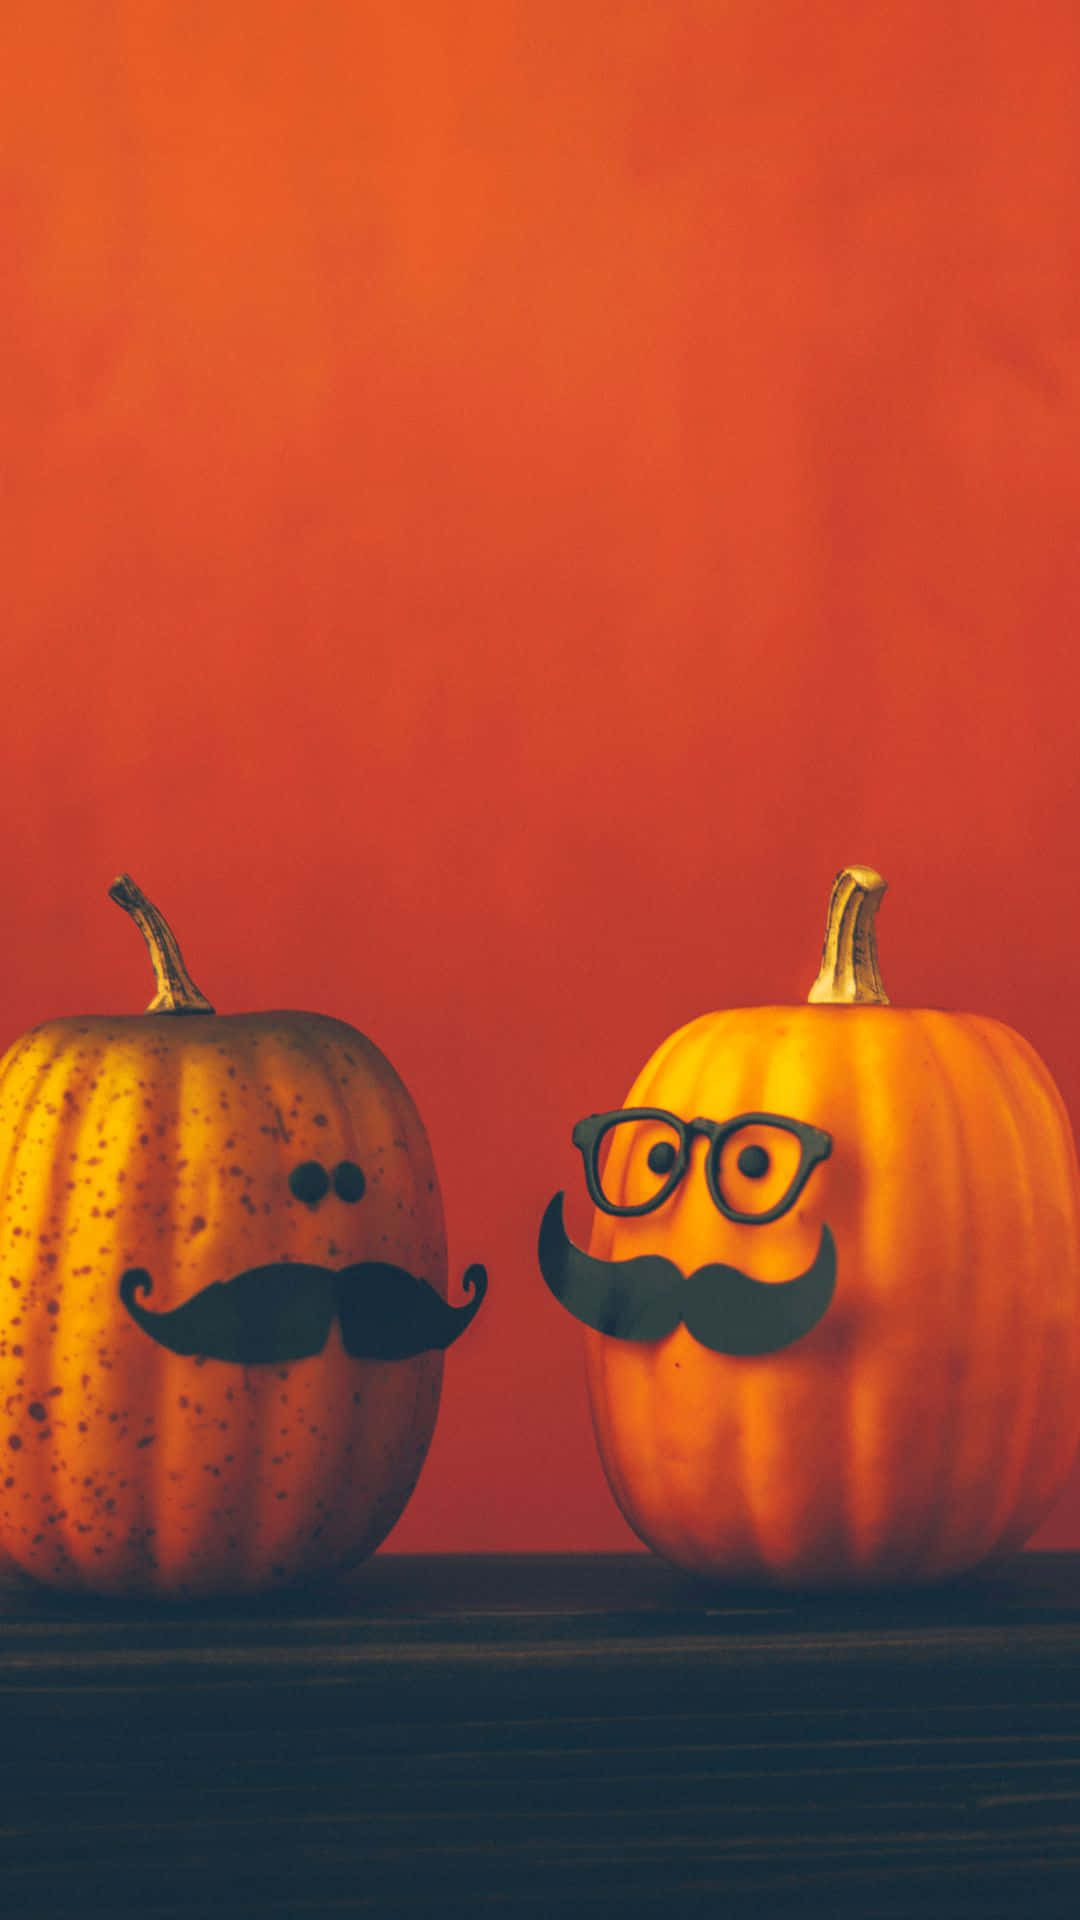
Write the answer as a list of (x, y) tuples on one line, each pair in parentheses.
[(309, 1182), (662, 1157), (754, 1162), (349, 1182)]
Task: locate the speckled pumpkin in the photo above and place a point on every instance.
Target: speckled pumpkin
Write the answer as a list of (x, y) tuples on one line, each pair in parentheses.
[(148, 1161), (927, 1418)]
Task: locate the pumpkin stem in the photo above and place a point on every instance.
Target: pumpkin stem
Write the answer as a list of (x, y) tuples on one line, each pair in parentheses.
[(177, 992), (849, 964)]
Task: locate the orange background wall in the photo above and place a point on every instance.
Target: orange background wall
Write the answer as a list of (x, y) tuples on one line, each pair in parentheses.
[(501, 499)]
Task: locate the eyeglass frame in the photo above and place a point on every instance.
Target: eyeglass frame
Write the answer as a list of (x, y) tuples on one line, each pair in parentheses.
[(588, 1134)]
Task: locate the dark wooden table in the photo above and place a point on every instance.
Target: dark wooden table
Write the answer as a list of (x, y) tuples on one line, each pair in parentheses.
[(546, 1735)]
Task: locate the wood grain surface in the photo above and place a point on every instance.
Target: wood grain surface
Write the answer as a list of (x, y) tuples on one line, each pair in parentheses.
[(546, 1735)]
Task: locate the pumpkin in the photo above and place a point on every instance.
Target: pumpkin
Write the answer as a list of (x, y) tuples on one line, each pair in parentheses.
[(832, 1288), (223, 1280)]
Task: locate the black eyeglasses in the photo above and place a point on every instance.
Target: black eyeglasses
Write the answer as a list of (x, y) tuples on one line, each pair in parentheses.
[(669, 1157)]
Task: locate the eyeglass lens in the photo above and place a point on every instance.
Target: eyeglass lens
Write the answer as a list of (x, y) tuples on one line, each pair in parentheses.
[(756, 1167), (637, 1160)]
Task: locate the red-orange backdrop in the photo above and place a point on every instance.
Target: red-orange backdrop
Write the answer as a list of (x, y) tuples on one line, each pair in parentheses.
[(503, 498)]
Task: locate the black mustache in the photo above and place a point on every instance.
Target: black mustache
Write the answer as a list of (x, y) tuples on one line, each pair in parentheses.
[(646, 1298), (284, 1311)]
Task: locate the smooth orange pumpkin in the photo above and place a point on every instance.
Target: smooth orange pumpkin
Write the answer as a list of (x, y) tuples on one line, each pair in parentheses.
[(223, 1287), (923, 1412)]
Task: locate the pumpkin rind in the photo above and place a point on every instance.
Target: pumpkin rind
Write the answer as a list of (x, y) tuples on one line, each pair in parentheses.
[(908, 1404), (166, 1143), (932, 1416)]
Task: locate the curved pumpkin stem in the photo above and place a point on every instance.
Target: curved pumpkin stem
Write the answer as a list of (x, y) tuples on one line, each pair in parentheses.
[(849, 964), (177, 992)]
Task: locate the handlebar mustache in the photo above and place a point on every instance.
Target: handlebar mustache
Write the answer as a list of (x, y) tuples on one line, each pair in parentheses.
[(647, 1297), (284, 1311)]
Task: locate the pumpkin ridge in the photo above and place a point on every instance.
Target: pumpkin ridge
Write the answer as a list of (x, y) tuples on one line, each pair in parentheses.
[(811, 1088), (956, 1429), (38, 1197), (996, 1348), (691, 1032), (46, 1439), (859, 1537), (1037, 1454), (321, 1054), (267, 1530), (111, 1128), (28, 1101), (1026, 1467), (1056, 1111), (769, 1077), (13, 1060), (23, 1388), (1029, 1469), (874, 1052), (181, 1073), (129, 1121), (769, 1082), (1010, 1088)]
